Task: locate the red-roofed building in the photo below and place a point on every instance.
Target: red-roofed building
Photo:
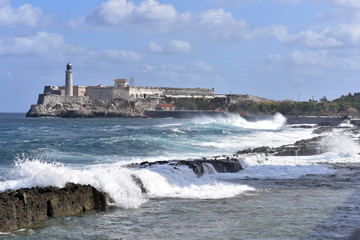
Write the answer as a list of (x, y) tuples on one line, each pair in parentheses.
[(165, 107)]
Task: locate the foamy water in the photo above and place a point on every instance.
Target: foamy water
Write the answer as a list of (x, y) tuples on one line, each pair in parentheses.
[(228, 205)]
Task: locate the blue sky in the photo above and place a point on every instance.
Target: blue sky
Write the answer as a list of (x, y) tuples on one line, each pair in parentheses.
[(278, 49)]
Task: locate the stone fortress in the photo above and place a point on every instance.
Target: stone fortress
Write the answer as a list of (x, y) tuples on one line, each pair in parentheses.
[(120, 100), (120, 90)]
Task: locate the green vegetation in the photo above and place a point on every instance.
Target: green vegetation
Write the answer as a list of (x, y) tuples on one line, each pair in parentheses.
[(345, 105), (196, 103)]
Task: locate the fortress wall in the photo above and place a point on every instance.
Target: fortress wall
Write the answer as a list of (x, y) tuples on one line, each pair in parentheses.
[(189, 91), (143, 92), (57, 99), (99, 92), (161, 91), (79, 90), (122, 93)]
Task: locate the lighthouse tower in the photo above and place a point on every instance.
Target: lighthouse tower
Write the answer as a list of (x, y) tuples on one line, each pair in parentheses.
[(68, 80)]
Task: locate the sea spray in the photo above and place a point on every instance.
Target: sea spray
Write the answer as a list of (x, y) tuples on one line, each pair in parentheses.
[(273, 123), (118, 181)]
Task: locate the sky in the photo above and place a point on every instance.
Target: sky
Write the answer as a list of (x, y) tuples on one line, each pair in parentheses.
[(276, 49)]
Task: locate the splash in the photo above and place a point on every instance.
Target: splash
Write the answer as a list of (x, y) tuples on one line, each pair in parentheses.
[(342, 144), (276, 122), (117, 181)]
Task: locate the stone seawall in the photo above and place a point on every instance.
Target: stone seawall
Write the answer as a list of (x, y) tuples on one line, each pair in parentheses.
[(183, 114), (57, 99), (27, 206), (315, 120)]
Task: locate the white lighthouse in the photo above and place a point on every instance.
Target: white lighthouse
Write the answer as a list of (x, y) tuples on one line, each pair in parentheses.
[(68, 80)]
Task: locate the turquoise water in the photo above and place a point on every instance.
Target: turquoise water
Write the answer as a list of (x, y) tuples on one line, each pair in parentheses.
[(314, 197)]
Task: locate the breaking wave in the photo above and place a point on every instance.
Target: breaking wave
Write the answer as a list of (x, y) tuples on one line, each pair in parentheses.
[(276, 122), (117, 181)]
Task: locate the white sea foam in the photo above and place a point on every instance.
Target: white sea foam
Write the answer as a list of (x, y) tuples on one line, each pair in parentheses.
[(346, 124), (275, 123), (117, 181)]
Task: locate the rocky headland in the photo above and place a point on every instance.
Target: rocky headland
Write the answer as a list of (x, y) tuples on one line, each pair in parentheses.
[(88, 108)]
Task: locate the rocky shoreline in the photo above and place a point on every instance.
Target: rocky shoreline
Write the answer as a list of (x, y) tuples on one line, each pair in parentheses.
[(24, 207), (114, 108)]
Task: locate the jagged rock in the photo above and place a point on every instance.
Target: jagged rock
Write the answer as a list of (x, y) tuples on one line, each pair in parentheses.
[(305, 147), (245, 151), (92, 109), (263, 149), (302, 126), (139, 183), (227, 165), (322, 130), (26, 206)]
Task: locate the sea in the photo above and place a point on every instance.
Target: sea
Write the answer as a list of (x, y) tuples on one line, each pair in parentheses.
[(295, 197)]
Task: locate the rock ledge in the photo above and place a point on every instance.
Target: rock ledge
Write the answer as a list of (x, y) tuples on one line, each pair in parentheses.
[(24, 207)]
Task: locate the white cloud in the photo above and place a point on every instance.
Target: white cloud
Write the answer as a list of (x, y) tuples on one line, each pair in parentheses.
[(119, 12), (307, 38), (155, 48), (319, 58), (274, 58), (349, 33), (152, 16), (115, 54), (233, 3), (292, 2), (175, 46), (346, 3), (151, 10), (23, 15), (224, 26), (53, 46), (49, 45), (192, 67), (324, 59), (178, 46), (200, 66)]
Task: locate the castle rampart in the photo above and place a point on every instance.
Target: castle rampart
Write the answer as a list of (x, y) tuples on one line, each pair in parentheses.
[(100, 92), (57, 99)]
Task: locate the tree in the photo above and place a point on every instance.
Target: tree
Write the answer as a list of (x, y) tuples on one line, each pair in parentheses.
[(323, 99)]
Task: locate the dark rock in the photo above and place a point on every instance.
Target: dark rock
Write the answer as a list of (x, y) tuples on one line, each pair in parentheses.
[(263, 149), (245, 151), (322, 124), (302, 126), (139, 183), (322, 130), (227, 165), (305, 147), (24, 207)]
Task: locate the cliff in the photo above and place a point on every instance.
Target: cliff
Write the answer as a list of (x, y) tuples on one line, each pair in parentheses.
[(83, 107)]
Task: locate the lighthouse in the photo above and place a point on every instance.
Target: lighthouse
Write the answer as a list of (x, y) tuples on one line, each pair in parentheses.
[(68, 80)]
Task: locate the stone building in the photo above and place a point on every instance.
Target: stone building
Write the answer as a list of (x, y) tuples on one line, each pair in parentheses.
[(121, 89)]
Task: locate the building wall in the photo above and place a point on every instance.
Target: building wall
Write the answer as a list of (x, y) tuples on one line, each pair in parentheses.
[(145, 92), (79, 90), (189, 91), (100, 92), (57, 99), (122, 93)]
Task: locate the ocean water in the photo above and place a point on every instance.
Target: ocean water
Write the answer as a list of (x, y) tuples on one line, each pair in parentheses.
[(312, 197)]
